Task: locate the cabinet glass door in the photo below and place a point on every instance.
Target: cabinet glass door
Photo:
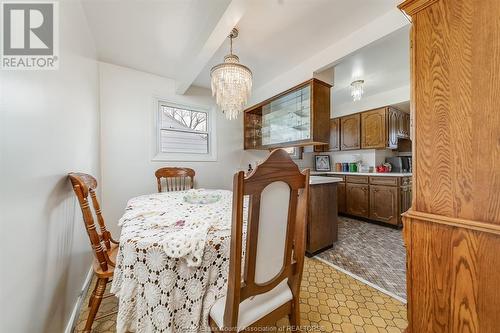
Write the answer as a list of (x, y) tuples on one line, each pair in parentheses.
[(287, 118)]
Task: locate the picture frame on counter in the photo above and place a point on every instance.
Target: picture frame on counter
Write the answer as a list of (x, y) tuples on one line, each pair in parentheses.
[(322, 163)]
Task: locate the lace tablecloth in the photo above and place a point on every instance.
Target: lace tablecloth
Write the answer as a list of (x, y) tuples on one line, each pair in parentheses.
[(158, 293)]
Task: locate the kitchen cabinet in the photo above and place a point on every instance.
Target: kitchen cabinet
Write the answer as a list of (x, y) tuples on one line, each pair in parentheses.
[(379, 198), (357, 199), (350, 132), (384, 204), (297, 117), (393, 127), (341, 198), (374, 129), (405, 194), (398, 126), (322, 225), (334, 141)]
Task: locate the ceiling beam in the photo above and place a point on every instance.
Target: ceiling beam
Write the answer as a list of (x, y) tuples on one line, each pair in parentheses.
[(226, 23)]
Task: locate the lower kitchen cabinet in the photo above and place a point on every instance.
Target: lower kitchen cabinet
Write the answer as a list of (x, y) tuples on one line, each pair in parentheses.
[(322, 225), (357, 199), (341, 197), (378, 198), (384, 204)]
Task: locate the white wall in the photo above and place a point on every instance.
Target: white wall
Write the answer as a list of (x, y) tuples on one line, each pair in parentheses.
[(394, 96), (48, 127), (127, 136)]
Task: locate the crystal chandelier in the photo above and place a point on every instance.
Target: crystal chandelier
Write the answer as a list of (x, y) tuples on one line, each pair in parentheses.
[(231, 83), (357, 89)]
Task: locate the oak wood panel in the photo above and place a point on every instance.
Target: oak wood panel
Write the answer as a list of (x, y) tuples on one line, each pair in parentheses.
[(373, 129), (341, 198), (322, 227), (350, 133), (320, 111), (457, 124), (357, 179), (384, 204), (357, 199), (386, 180), (450, 276), (334, 143), (452, 231)]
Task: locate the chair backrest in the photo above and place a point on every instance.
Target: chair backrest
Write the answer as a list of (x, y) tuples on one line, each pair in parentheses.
[(84, 186), (275, 239), (176, 179)]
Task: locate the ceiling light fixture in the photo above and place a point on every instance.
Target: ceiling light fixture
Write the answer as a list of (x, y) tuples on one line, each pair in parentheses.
[(357, 89), (231, 83)]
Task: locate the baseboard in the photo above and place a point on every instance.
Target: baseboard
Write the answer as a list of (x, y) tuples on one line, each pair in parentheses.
[(78, 304)]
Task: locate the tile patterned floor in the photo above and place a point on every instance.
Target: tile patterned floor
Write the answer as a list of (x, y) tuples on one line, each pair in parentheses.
[(373, 252), (331, 301)]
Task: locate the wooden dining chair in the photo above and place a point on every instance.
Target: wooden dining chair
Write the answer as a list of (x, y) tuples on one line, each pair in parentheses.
[(104, 247), (176, 179), (268, 288)]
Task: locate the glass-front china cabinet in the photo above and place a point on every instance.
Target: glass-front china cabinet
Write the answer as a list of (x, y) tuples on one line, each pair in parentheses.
[(297, 117)]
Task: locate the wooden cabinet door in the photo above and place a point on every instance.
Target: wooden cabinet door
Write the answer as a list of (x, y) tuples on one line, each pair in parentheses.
[(406, 125), (384, 204), (334, 141), (334, 134), (392, 128), (373, 129), (322, 226), (341, 197), (357, 199), (350, 132), (405, 200)]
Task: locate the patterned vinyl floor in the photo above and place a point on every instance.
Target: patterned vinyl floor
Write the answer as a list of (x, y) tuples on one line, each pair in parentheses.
[(373, 252), (331, 301)]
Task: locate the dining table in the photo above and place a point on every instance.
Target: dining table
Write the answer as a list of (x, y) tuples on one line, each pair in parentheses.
[(173, 260)]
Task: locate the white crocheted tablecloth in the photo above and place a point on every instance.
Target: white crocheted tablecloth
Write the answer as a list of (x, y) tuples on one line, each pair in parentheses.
[(160, 293)]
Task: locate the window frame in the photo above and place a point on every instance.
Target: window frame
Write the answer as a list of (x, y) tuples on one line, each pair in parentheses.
[(188, 157)]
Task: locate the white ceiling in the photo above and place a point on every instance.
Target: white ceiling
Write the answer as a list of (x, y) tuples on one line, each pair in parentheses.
[(165, 37), (156, 36), (383, 65)]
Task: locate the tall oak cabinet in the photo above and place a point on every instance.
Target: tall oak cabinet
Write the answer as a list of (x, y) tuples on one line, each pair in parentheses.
[(452, 231)]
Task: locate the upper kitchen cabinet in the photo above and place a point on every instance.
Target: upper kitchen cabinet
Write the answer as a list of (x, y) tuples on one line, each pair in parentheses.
[(374, 129), (350, 132), (398, 126), (334, 142), (299, 116)]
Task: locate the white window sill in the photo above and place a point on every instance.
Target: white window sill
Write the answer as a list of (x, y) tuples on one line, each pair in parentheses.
[(164, 157)]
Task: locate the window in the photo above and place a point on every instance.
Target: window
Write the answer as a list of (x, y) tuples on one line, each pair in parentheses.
[(184, 133)]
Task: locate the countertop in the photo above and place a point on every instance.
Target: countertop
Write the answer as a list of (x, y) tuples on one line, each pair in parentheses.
[(384, 174), (315, 180)]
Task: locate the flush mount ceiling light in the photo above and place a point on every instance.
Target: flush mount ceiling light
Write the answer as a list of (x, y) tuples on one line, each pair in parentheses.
[(357, 89), (231, 83)]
